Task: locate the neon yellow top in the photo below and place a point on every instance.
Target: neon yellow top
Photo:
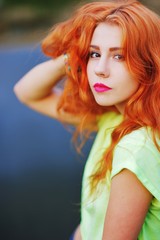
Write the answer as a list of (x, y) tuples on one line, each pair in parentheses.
[(135, 152)]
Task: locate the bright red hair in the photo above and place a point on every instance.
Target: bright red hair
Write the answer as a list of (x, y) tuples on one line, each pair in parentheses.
[(141, 38)]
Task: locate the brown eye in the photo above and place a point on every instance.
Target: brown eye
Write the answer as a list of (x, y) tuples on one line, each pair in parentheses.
[(94, 55), (118, 57)]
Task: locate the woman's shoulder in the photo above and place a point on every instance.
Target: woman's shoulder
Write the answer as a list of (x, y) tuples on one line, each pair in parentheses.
[(137, 152), (139, 147), (140, 137)]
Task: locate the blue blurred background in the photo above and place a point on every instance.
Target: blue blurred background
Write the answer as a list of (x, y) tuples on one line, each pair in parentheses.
[(40, 172)]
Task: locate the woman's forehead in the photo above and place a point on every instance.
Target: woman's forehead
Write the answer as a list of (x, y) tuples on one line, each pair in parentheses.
[(107, 34)]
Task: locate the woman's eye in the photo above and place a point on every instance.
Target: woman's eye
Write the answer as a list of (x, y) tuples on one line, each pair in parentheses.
[(94, 55), (119, 57)]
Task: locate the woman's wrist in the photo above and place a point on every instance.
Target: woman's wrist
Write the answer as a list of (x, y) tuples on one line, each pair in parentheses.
[(66, 62)]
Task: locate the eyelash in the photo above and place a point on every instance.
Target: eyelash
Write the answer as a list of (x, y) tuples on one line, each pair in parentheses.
[(92, 53), (120, 56)]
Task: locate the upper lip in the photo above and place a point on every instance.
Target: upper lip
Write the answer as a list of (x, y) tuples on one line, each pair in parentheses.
[(101, 85)]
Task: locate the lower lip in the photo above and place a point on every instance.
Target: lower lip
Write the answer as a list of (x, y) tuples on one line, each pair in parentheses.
[(101, 89)]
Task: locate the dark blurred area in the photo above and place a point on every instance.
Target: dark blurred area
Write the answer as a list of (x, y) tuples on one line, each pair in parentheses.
[(40, 172), (25, 21)]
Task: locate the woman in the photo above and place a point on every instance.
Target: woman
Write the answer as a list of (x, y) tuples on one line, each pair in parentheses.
[(109, 53)]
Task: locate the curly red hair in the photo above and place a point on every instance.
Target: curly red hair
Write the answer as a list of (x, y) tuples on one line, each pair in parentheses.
[(141, 38)]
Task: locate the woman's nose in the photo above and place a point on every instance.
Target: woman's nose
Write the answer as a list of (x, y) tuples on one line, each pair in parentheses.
[(102, 68)]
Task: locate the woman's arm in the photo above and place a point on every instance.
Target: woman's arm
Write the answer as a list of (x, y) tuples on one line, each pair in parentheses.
[(128, 205), (77, 235), (37, 89)]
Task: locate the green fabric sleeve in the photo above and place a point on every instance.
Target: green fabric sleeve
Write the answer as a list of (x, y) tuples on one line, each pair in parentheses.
[(137, 153)]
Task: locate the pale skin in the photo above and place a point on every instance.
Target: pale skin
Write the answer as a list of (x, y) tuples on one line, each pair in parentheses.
[(129, 199), (36, 89)]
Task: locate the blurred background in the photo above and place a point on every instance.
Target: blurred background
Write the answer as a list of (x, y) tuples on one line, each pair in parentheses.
[(40, 172)]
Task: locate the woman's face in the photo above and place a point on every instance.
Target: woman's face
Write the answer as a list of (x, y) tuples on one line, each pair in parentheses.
[(109, 78)]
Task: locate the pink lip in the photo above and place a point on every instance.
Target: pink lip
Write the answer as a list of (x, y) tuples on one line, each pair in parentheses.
[(100, 87)]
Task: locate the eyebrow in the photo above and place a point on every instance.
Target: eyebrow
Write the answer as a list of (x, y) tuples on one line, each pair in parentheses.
[(112, 49)]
